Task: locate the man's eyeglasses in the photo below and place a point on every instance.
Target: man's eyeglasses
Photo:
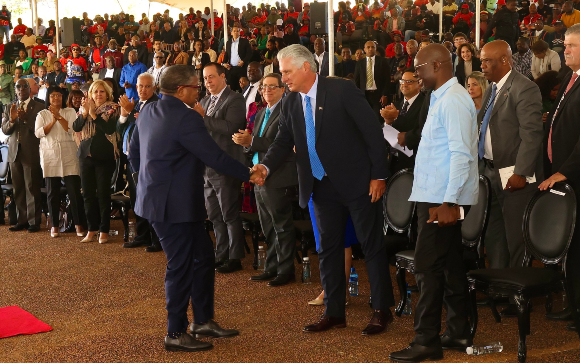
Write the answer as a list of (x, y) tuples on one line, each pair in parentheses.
[(408, 81), (270, 87), (188, 86), (19, 86)]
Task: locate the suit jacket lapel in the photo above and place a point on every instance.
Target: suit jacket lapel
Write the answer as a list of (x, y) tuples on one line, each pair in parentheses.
[(273, 117), (221, 101), (563, 88), (502, 94), (319, 108)]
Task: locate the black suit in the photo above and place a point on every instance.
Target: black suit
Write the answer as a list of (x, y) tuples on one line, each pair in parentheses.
[(236, 72), (413, 136), (382, 78), (566, 161), (116, 74), (406, 123), (460, 69), (273, 201), (142, 54), (346, 67), (348, 142)]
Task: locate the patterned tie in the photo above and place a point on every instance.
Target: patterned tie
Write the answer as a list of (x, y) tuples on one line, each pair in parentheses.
[(405, 108), (212, 105), (266, 118), (315, 164), (248, 92), (570, 84), (485, 122), (370, 73)]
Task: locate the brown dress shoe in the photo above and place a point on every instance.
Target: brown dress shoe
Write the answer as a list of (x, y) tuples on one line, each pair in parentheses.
[(378, 322), (325, 323)]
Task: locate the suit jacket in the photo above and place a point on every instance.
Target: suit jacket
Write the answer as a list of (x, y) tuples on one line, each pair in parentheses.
[(460, 70), (116, 74), (413, 136), (286, 175), (565, 136), (382, 73), (516, 126), (346, 67), (131, 119), (244, 51), (28, 152), (324, 71), (227, 119), (173, 155), (407, 123), (349, 141), (142, 54)]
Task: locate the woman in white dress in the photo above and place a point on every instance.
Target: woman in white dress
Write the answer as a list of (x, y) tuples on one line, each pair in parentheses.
[(58, 158)]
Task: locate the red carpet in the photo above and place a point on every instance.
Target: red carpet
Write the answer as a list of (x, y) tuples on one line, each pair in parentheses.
[(15, 321)]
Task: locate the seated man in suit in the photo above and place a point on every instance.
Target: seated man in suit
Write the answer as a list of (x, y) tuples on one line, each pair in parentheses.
[(110, 71), (372, 76), (405, 117), (145, 235), (272, 199), (321, 57), (170, 148)]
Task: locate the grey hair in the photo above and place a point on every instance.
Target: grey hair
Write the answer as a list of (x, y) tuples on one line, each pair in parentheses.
[(574, 29), (175, 76), (146, 75), (298, 55)]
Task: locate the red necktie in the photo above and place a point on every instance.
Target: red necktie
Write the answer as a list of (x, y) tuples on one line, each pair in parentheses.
[(570, 84)]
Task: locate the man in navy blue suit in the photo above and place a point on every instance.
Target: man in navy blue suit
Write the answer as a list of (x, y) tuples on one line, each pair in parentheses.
[(170, 148), (341, 159)]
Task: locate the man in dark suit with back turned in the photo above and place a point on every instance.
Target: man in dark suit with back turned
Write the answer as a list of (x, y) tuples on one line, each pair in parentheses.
[(272, 199), (130, 109), (170, 148), (562, 155), (341, 158), (225, 112), (372, 76), (238, 56), (24, 157)]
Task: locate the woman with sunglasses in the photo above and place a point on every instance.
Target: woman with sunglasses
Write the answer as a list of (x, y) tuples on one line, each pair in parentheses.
[(76, 66), (177, 56), (98, 151), (54, 128)]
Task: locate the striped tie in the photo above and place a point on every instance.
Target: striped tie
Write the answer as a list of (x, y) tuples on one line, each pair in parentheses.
[(370, 73), (212, 105)]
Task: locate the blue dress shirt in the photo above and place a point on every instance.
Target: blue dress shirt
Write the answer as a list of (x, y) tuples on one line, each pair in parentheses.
[(446, 162), (129, 73)]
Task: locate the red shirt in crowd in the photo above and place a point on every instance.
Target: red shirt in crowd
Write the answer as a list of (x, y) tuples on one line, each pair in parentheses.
[(390, 51), (19, 29), (294, 15), (38, 48)]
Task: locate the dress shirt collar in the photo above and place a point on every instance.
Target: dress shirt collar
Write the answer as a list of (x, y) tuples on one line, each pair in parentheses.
[(412, 99), (26, 102), (502, 81), (219, 95), (373, 58), (312, 92), (441, 90), (235, 40), (274, 106)]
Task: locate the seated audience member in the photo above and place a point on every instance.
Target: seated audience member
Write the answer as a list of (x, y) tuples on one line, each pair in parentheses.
[(522, 60), (544, 59), (29, 41), (59, 160), (142, 51), (114, 52), (291, 36), (168, 35), (468, 62), (556, 39), (412, 48), (20, 29), (129, 75), (529, 21), (18, 72), (549, 85), (207, 49), (397, 36), (110, 71), (6, 85), (12, 50), (42, 82), (74, 99), (476, 85), (57, 77), (76, 66), (38, 47), (347, 66), (177, 55), (24, 61)]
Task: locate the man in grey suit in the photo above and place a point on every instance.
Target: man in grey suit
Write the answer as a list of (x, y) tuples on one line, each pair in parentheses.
[(511, 132), (24, 157), (225, 114), (272, 199)]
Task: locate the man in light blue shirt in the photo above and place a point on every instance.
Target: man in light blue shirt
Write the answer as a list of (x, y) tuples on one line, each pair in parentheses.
[(446, 178), (238, 56)]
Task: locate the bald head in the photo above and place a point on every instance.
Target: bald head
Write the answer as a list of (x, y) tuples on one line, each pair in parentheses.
[(496, 59), (433, 65)]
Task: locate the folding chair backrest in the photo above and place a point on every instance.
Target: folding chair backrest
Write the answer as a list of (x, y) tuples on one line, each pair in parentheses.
[(475, 223), (397, 209), (4, 163)]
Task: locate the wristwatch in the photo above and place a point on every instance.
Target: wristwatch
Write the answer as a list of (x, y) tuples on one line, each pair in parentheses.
[(452, 205)]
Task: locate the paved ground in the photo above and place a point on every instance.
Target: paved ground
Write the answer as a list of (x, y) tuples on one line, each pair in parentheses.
[(106, 304)]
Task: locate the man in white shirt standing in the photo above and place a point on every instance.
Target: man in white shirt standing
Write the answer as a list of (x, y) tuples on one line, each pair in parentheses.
[(251, 94), (157, 70)]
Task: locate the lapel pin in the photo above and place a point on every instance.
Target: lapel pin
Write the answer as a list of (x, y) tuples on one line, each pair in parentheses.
[(320, 108)]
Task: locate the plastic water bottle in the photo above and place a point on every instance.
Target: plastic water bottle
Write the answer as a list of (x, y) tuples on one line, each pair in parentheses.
[(495, 347), (113, 232), (408, 310), (261, 258), (306, 274), (353, 283), (132, 231)]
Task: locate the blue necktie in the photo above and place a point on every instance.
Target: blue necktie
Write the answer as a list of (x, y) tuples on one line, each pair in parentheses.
[(315, 164), (485, 122), (266, 118), (128, 130)]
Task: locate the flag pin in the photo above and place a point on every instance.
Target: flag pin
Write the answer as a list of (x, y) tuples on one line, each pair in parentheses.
[(320, 108)]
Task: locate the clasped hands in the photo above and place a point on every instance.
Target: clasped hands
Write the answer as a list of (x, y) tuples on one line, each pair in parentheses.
[(258, 174), (243, 138), (16, 112), (389, 113)]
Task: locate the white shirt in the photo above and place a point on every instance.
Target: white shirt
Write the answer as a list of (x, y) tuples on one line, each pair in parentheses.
[(109, 73), (435, 8), (251, 93), (488, 154), (412, 99), (312, 95), (234, 55), (319, 59), (212, 55), (374, 86)]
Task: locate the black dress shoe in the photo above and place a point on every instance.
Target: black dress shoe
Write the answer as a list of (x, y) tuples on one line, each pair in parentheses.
[(282, 279), (19, 227), (33, 228), (564, 315), (379, 322), (220, 262), (136, 243), (2, 221), (211, 329), (326, 322), (264, 277), (417, 353), (230, 266), (456, 344), (571, 327), (511, 311), (155, 247), (186, 343)]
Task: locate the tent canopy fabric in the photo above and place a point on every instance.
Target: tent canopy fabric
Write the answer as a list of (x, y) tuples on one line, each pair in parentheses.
[(196, 4)]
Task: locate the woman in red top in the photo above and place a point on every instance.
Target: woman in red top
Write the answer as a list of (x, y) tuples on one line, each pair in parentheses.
[(76, 66), (38, 47)]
